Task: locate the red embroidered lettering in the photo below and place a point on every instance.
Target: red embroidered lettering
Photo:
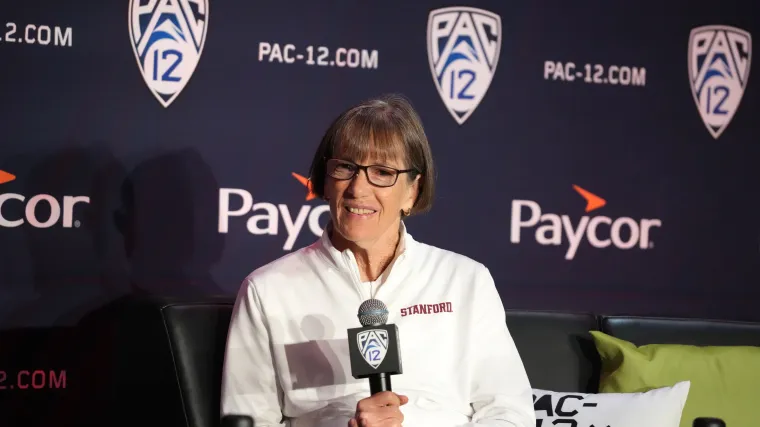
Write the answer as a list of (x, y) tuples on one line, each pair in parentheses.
[(442, 307)]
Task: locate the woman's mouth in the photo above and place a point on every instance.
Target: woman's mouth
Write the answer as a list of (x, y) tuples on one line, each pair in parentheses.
[(359, 211)]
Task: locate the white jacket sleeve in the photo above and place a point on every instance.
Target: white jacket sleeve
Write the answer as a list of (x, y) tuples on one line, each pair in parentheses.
[(501, 395), (249, 383)]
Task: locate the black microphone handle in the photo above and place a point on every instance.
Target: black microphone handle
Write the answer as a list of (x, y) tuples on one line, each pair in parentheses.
[(379, 382), (708, 422), (237, 421)]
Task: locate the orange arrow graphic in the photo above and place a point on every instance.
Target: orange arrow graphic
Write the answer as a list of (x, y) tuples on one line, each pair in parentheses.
[(592, 200), (6, 177), (305, 181)]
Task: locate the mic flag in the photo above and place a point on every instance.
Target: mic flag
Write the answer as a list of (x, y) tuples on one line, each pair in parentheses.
[(374, 348)]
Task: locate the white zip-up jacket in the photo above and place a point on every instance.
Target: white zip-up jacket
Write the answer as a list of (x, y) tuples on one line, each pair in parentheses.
[(287, 360)]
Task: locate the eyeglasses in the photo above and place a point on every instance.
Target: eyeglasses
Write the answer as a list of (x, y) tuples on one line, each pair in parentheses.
[(378, 175)]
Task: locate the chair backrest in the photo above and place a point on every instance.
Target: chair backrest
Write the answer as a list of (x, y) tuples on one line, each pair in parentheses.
[(556, 349), (182, 345), (654, 330), (166, 363), (169, 354), (197, 334)]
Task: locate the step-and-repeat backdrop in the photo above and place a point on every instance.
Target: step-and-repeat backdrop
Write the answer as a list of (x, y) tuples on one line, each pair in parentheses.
[(595, 157)]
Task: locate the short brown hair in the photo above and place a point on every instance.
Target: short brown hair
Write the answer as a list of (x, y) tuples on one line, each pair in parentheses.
[(386, 127)]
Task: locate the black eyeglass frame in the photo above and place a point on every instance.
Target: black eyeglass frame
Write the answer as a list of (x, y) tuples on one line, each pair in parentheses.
[(365, 168)]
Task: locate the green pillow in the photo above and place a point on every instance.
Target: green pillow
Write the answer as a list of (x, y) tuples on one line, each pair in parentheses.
[(725, 381)]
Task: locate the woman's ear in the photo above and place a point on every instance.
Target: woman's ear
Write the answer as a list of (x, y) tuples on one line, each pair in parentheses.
[(414, 191)]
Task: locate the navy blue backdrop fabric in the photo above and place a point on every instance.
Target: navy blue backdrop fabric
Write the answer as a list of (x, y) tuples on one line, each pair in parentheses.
[(559, 100), (595, 157)]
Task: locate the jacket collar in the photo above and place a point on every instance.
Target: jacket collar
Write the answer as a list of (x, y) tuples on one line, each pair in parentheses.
[(403, 250)]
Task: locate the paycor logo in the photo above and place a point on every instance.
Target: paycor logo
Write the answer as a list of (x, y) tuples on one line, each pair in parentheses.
[(60, 213), (554, 228), (265, 217)]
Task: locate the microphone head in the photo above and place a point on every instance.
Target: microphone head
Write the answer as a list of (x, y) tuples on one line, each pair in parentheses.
[(373, 312)]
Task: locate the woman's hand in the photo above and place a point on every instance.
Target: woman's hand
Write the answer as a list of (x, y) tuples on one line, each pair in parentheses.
[(379, 410)]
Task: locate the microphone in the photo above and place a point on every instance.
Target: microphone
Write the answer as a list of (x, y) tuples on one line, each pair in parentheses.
[(374, 348), (708, 422), (237, 421)]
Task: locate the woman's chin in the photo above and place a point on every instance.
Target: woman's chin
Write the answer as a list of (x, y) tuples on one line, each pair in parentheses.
[(356, 232), (356, 236)]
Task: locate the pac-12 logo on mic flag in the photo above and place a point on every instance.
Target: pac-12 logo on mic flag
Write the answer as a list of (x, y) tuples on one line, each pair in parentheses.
[(719, 60), (463, 46), (373, 346), (167, 37)]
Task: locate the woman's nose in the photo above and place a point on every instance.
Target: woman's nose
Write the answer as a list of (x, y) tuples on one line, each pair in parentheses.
[(359, 184)]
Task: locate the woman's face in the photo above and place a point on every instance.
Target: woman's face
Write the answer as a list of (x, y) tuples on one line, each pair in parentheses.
[(364, 213)]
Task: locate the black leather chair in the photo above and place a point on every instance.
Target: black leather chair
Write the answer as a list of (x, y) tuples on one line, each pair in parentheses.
[(170, 352), (653, 330), (168, 364), (556, 349)]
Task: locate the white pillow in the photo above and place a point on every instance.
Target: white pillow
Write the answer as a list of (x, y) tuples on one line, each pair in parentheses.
[(660, 407)]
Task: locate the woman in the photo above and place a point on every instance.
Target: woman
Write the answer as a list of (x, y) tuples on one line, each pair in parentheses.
[(287, 361)]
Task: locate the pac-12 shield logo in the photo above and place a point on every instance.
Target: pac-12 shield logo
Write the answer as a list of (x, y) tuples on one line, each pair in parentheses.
[(373, 345), (167, 37), (719, 60), (463, 46)]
